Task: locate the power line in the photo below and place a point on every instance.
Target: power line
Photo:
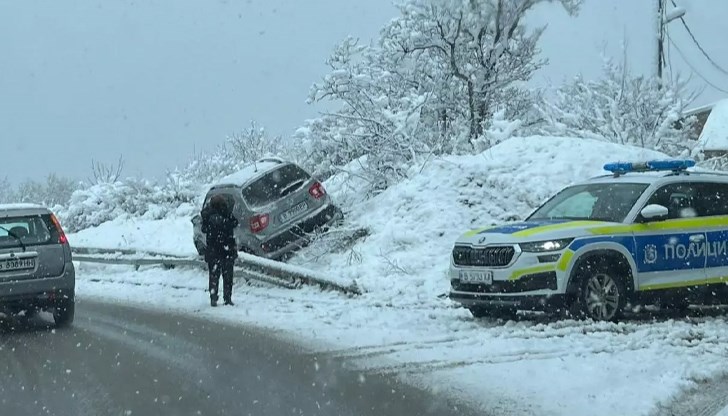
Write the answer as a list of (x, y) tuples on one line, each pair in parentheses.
[(700, 47), (693, 68)]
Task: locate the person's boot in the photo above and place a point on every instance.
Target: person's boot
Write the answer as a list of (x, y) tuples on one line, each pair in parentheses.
[(213, 302), (229, 302)]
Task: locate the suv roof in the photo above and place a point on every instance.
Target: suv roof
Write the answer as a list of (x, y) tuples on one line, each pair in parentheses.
[(250, 172), (14, 209)]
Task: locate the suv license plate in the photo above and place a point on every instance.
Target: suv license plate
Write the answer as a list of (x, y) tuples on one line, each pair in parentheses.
[(297, 209), (483, 278), (17, 264)]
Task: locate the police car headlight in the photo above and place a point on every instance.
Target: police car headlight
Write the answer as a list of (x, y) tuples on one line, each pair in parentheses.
[(545, 246)]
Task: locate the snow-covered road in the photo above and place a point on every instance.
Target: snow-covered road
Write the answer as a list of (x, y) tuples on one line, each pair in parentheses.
[(534, 366)]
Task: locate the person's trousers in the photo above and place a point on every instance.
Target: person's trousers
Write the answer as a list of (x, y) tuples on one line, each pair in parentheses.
[(224, 267)]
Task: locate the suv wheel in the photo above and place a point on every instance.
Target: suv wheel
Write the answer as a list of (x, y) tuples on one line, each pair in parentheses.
[(601, 295), (65, 311)]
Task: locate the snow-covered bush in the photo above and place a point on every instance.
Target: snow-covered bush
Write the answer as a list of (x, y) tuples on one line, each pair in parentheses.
[(431, 84), (622, 108), (131, 197)]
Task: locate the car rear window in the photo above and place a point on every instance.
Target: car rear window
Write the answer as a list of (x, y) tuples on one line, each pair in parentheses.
[(32, 230), (275, 185)]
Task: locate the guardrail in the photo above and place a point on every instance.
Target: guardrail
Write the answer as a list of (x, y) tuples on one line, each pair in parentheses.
[(247, 267)]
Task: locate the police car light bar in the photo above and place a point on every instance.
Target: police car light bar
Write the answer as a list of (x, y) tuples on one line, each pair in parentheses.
[(651, 166)]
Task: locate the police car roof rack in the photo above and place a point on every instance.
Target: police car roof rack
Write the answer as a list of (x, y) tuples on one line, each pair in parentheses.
[(677, 166)]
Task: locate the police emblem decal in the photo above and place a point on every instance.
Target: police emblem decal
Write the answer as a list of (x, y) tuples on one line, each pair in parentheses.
[(650, 254)]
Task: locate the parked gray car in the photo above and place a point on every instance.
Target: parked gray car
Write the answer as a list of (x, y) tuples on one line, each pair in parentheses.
[(278, 205), (36, 271)]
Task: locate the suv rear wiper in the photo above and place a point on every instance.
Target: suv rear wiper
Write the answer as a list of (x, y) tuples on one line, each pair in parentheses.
[(15, 236)]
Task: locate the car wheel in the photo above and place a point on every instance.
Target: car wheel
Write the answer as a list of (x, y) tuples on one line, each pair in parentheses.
[(601, 294), (64, 312)]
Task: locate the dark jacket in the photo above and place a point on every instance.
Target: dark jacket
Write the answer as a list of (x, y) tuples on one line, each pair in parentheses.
[(218, 225)]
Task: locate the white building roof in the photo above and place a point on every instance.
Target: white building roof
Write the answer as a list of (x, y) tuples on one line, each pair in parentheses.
[(715, 132)]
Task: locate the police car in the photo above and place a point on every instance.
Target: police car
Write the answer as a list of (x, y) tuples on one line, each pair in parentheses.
[(650, 231)]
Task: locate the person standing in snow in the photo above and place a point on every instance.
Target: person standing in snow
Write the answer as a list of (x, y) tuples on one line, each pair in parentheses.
[(218, 225)]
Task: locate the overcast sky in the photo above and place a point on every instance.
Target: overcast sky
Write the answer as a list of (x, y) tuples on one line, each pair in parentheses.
[(157, 80)]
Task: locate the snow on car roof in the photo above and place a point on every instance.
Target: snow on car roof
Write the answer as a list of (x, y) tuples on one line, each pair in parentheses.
[(20, 206), (250, 172)]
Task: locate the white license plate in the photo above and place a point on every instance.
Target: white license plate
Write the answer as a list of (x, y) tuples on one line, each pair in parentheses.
[(17, 264), (471, 277), (296, 210)]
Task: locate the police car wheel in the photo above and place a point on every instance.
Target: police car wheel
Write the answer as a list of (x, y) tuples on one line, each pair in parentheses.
[(602, 296)]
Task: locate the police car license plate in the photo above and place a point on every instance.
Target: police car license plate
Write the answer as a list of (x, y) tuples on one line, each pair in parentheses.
[(471, 277), (17, 264), (296, 210)]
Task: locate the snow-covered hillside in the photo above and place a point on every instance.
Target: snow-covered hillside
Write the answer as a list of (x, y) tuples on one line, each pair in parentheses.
[(401, 326)]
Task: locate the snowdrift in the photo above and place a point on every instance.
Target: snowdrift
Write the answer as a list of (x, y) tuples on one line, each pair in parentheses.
[(414, 224)]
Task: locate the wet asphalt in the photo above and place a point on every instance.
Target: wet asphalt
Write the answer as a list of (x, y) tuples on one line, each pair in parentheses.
[(118, 360)]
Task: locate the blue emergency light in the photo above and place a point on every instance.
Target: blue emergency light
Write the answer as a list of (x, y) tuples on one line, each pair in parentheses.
[(619, 168)]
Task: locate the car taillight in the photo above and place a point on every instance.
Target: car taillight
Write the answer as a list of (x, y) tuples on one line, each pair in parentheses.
[(62, 239), (259, 222), (317, 190)]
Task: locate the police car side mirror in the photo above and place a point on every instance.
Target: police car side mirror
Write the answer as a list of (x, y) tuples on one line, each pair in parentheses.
[(654, 212)]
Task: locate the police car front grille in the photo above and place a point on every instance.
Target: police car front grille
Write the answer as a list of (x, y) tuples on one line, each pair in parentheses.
[(484, 257)]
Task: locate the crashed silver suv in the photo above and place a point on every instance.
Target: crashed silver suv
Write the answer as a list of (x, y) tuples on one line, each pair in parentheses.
[(278, 206), (36, 271)]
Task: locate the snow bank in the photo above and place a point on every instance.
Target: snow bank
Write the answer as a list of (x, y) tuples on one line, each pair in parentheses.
[(171, 235), (414, 224)]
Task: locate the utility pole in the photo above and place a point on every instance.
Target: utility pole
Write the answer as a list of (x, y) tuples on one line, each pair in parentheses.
[(660, 37), (663, 19)]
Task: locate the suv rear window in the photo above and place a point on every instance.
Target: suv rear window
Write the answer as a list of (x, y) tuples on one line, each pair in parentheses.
[(275, 185), (32, 230)]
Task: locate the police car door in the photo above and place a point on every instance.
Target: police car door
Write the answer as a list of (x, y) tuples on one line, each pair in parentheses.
[(713, 207), (671, 252)]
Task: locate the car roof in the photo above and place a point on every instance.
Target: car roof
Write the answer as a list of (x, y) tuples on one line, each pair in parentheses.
[(8, 210), (250, 172)]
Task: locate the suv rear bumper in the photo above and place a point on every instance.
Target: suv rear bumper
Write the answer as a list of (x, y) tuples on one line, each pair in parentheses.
[(296, 236), (38, 292)]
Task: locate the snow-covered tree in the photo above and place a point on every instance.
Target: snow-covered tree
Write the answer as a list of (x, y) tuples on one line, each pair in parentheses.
[(430, 84), (623, 108), (7, 191), (54, 191), (238, 150)]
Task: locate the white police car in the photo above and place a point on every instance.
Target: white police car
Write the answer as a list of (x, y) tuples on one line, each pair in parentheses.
[(648, 231)]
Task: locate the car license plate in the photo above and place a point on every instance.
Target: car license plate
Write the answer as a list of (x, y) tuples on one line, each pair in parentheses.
[(472, 277), (296, 210), (17, 264)]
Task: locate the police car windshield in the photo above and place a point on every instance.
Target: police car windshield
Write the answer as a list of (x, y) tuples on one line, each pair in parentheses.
[(596, 202)]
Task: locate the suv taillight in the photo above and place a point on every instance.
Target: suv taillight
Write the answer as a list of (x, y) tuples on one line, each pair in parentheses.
[(259, 222), (317, 190), (62, 239)]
